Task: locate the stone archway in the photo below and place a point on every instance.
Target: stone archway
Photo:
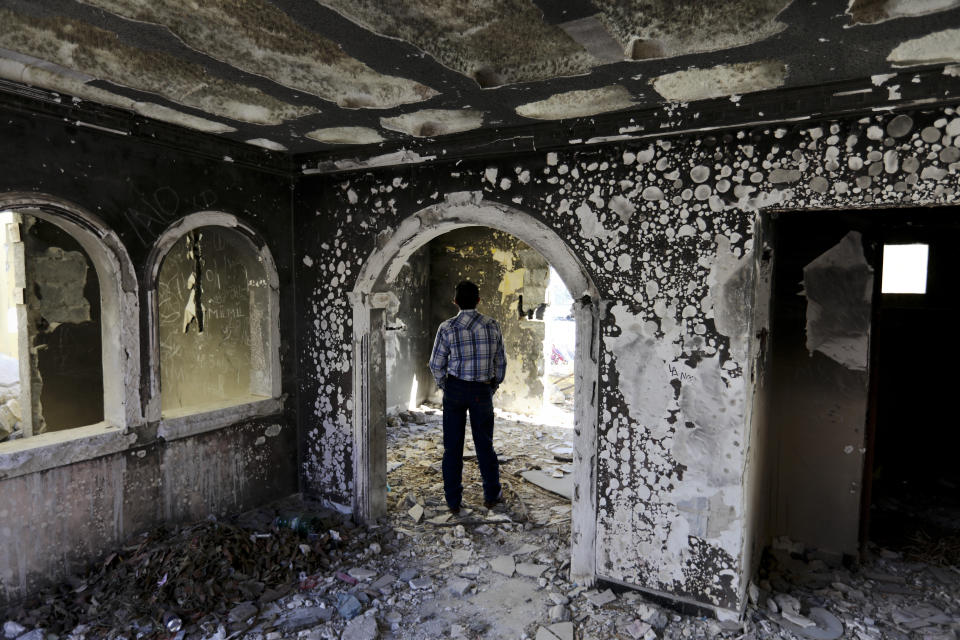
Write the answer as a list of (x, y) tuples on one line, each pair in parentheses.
[(395, 246)]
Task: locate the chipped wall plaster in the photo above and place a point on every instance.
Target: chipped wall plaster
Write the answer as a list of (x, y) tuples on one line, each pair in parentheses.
[(688, 251)]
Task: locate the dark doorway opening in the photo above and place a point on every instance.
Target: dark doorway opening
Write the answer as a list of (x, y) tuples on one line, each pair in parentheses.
[(864, 427), (914, 474)]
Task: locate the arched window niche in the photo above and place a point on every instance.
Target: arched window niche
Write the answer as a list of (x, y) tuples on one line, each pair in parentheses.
[(70, 323), (214, 325)]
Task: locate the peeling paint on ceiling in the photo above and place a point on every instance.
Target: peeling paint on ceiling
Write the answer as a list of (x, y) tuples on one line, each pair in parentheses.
[(667, 28), (942, 46), (35, 72), (255, 36), (434, 122), (722, 80), (99, 53), (321, 75), (875, 11), (576, 104), (495, 42), (345, 135)]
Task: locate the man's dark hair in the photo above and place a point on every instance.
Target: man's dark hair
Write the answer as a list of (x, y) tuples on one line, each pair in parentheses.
[(467, 295)]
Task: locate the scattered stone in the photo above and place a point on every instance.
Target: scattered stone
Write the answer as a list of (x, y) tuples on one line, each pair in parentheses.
[(393, 618), (504, 565), (36, 634), (470, 571), (13, 629), (462, 556), (602, 598), (458, 587), (383, 581), (364, 628), (348, 606), (531, 570), (559, 613), (242, 612), (408, 574), (362, 574), (420, 584), (640, 630), (416, 512)]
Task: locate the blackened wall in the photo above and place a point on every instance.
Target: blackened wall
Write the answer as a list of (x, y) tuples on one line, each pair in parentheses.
[(665, 228), (62, 513)]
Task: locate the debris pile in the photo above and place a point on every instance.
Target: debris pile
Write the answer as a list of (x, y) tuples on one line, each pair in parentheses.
[(184, 578), (423, 573)]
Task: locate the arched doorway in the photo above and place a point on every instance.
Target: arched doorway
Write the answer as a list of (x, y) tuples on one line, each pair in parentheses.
[(369, 388)]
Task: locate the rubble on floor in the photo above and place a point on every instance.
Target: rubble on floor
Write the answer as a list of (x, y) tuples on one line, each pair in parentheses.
[(423, 573)]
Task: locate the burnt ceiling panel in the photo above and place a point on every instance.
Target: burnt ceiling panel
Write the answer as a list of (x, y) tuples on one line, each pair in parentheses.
[(321, 76), (667, 28), (495, 42)]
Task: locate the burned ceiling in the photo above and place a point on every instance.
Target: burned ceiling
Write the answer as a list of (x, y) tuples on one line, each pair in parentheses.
[(322, 75)]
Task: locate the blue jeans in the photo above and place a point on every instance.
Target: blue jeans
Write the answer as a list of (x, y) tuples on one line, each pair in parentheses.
[(460, 396)]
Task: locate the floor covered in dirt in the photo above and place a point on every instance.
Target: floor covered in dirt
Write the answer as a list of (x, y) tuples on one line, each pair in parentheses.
[(296, 570)]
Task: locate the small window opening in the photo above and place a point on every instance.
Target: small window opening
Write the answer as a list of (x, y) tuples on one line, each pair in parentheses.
[(904, 268)]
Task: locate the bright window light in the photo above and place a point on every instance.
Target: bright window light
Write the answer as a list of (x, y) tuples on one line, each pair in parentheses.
[(904, 268), (12, 320)]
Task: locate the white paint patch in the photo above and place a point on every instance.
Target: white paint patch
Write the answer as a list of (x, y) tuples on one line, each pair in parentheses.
[(730, 284), (346, 135), (643, 368), (429, 123), (937, 47), (590, 225), (622, 207), (578, 104), (723, 80)]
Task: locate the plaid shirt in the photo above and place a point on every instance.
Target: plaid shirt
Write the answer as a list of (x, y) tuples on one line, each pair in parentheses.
[(469, 346)]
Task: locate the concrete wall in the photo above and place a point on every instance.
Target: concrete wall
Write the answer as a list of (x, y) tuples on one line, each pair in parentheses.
[(508, 273), (60, 519), (665, 228)]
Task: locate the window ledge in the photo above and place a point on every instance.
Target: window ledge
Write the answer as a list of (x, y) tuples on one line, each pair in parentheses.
[(60, 448), (69, 446), (190, 421)]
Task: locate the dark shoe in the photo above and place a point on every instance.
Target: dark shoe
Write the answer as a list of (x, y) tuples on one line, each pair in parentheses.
[(454, 510), (490, 504)]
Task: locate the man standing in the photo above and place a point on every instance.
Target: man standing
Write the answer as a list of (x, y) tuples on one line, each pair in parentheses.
[(469, 364)]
